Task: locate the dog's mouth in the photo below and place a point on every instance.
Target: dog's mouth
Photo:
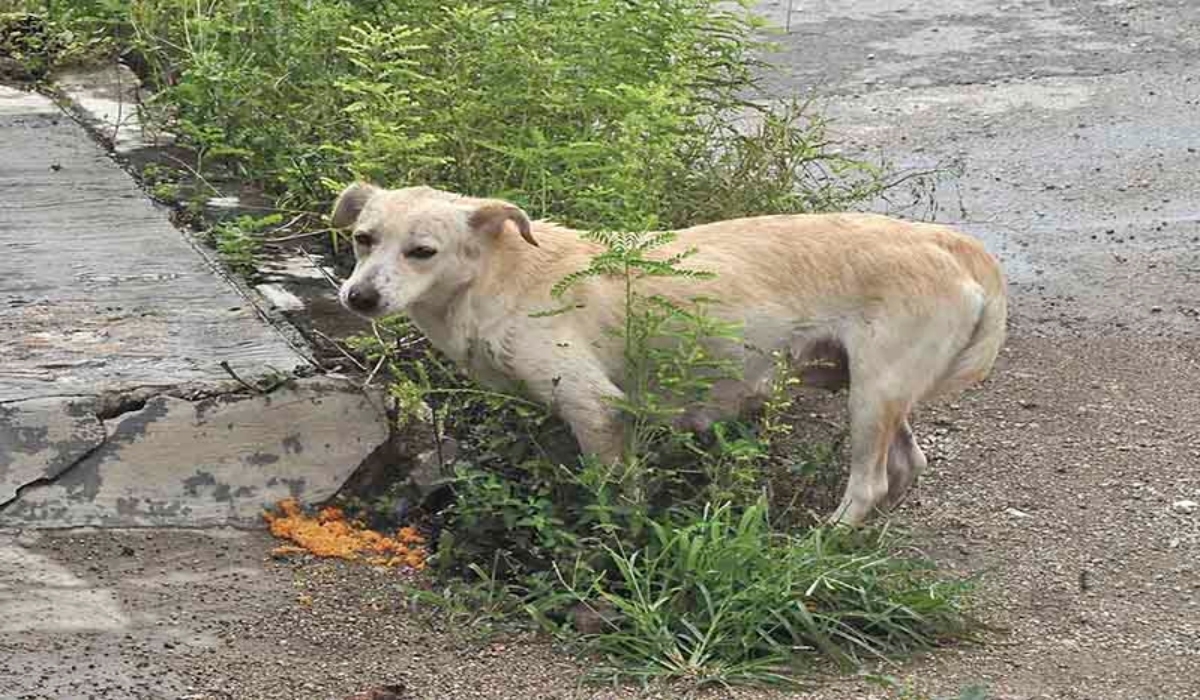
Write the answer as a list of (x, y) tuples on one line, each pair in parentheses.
[(369, 315)]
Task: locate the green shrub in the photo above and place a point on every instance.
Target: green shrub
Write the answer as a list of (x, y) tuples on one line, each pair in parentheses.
[(34, 44), (597, 112)]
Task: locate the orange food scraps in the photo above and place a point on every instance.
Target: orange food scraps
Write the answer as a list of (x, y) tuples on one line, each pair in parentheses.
[(330, 534)]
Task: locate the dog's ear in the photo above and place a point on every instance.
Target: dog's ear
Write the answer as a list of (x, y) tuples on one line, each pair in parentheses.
[(493, 216), (350, 204)]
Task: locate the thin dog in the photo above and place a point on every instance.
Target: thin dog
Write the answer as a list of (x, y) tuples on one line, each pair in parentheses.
[(897, 311)]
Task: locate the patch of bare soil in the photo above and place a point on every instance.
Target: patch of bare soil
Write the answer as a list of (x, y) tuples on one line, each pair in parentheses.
[(1065, 484), (1057, 483)]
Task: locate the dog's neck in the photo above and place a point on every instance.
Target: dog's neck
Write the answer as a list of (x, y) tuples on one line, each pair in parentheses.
[(462, 329), (442, 325)]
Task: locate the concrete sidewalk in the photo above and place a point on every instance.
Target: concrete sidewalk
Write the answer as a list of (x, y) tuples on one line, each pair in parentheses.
[(115, 408)]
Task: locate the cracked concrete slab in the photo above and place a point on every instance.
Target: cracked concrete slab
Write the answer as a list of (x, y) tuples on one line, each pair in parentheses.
[(217, 461), (106, 313), (41, 438)]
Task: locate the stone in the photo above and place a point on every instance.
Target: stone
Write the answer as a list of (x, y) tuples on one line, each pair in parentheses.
[(41, 438), (428, 470), (1187, 507)]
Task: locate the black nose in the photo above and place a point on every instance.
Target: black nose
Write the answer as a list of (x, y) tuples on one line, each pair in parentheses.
[(363, 298)]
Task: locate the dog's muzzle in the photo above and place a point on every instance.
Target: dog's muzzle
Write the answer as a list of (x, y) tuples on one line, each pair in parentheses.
[(363, 298)]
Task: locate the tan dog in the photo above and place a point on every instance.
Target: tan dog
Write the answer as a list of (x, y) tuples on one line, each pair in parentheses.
[(898, 311)]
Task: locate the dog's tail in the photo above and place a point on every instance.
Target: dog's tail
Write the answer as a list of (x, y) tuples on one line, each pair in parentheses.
[(974, 362)]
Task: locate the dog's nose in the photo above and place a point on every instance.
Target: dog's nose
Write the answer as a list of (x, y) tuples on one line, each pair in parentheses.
[(363, 299)]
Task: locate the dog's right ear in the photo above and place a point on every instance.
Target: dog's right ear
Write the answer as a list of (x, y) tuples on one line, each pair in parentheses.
[(350, 204)]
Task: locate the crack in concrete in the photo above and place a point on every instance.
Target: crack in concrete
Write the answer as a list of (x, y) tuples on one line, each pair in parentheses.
[(116, 402), (184, 456), (109, 405), (112, 405), (51, 480)]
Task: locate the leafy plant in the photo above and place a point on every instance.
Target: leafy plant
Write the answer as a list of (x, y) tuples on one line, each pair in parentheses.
[(37, 44), (239, 241), (603, 113)]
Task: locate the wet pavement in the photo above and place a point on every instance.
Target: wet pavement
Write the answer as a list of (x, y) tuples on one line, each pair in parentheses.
[(1075, 125)]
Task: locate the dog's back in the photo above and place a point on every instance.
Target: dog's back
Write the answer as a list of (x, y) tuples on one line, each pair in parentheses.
[(815, 270)]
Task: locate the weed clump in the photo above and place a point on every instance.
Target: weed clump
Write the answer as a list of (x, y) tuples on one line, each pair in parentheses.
[(719, 596)]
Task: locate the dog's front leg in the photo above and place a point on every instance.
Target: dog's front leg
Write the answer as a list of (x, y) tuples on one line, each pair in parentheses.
[(598, 427), (585, 398)]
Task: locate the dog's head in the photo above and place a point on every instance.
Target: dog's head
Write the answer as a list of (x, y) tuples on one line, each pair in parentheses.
[(417, 245)]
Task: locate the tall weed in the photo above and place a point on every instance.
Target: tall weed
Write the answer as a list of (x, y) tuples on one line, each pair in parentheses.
[(602, 113)]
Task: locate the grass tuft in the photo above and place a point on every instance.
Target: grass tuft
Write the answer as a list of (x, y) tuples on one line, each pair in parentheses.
[(719, 597)]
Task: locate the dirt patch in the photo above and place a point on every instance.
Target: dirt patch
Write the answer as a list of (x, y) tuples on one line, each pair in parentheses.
[(1054, 483)]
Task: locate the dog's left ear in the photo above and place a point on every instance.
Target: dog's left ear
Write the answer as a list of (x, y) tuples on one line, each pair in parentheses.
[(493, 217), (350, 204)]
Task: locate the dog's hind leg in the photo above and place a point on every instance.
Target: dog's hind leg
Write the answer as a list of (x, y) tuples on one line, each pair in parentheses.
[(873, 426), (895, 361), (905, 462)]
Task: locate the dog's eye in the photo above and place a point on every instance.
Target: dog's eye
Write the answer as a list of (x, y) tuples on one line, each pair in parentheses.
[(421, 253), (363, 239)]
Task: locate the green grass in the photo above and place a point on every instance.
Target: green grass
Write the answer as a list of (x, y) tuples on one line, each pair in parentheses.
[(239, 241), (719, 597)]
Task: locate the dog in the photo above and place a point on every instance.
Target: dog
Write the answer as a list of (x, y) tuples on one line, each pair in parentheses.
[(896, 311)]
